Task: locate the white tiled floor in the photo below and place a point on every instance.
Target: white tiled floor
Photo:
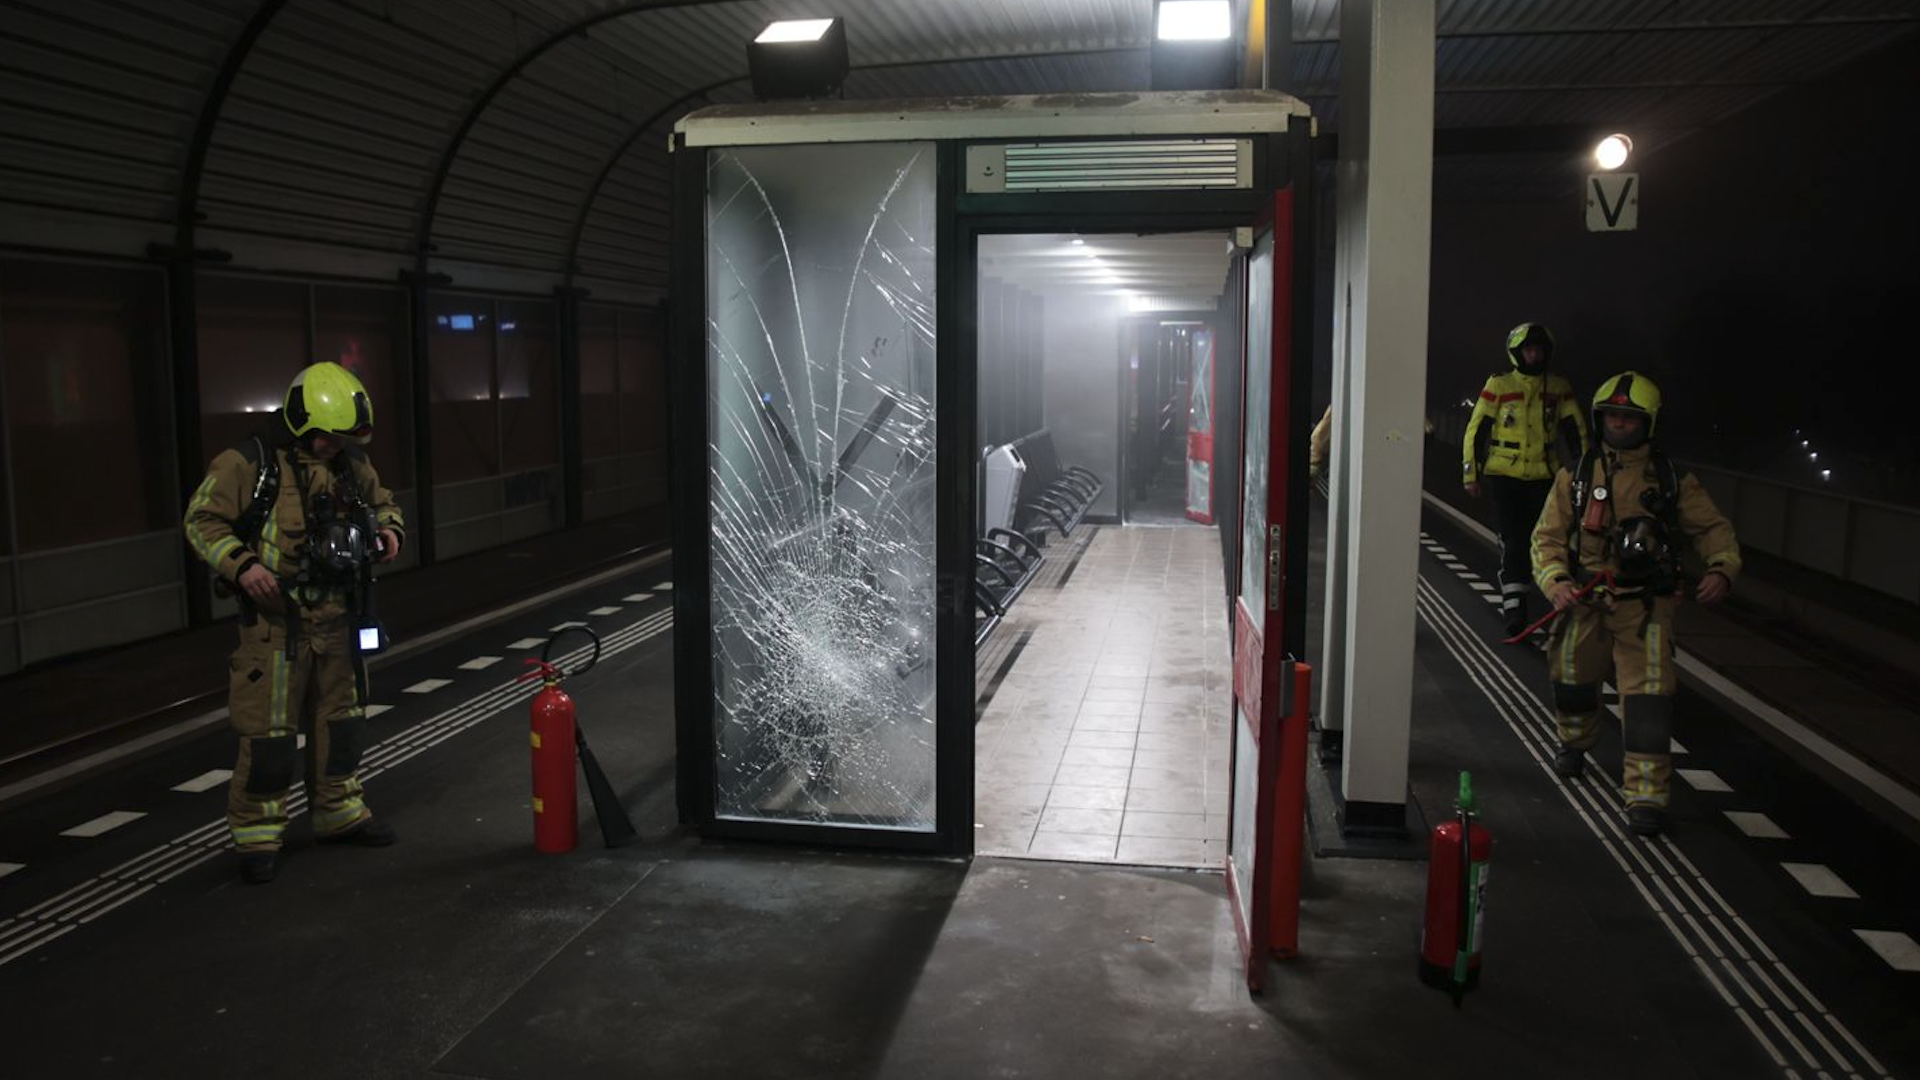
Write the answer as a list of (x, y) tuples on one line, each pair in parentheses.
[(1107, 739)]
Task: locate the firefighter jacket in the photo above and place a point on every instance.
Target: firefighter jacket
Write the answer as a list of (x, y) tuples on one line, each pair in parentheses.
[(1514, 426), (1627, 475), (226, 494), (1320, 444)]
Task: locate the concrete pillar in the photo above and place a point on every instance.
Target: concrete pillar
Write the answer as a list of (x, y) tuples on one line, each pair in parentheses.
[(1384, 183)]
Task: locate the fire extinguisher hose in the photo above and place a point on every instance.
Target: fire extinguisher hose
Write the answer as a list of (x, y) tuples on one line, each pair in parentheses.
[(1461, 942), (546, 654)]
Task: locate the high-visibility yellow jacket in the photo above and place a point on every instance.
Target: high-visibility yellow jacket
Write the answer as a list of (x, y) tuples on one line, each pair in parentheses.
[(1518, 418)]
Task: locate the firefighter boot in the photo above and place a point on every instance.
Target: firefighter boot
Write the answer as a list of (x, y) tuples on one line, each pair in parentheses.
[(1568, 760), (370, 833), (259, 867), (1576, 708), (1646, 820), (1516, 619), (1646, 781)]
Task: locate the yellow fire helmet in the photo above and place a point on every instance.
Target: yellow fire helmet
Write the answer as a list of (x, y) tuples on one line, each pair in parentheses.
[(1529, 332), (1629, 392), (327, 398)]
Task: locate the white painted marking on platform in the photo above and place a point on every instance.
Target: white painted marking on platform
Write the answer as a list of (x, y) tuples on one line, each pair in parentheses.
[(1757, 826), (637, 598), (569, 625), (1480, 586), (9, 867), (1703, 779), (480, 663), (665, 586), (604, 611), (1819, 880), (1674, 747), (427, 686), (1492, 599), (206, 781), (1894, 947), (376, 710), (527, 643), (104, 823)]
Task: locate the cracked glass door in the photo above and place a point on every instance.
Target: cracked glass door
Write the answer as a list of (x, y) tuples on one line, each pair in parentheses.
[(820, 486), (1261, 668)]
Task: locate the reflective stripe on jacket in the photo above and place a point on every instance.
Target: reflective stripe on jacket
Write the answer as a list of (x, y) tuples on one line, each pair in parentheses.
[(1627, 474), (1521, 414), (227, 492)]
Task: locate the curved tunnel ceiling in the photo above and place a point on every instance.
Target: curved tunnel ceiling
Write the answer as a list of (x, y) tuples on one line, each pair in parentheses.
[(523, 141)]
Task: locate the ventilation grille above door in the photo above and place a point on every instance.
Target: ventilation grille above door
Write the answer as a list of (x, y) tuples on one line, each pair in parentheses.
[(1089, 166)]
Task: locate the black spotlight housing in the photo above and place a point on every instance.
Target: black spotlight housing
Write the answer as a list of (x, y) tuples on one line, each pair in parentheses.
[(811, 68)]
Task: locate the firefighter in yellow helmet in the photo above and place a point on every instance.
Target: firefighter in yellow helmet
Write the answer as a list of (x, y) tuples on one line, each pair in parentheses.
[(292, 530), (1523, 418), (1620, 516)]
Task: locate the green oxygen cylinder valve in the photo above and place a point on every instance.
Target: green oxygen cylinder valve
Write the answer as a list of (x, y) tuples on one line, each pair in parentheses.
[(1464, 800)]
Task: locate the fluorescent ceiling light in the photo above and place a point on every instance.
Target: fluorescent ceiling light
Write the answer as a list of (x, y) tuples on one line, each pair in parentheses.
[(1193, 20), (794, 30)]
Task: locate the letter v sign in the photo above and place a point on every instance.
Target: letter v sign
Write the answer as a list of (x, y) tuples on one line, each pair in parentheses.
[(1613, 202)]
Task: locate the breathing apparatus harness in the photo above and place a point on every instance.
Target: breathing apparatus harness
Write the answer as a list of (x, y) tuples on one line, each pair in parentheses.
[(342, 538), (1642, 543)]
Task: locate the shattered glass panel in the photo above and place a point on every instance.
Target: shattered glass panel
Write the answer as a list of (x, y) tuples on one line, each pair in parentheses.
[(1259, 394), (1200, 409), (820, 396), (1246, 798), (1199, 486)]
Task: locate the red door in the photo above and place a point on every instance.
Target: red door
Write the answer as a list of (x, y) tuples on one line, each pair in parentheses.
[(1259, 670)]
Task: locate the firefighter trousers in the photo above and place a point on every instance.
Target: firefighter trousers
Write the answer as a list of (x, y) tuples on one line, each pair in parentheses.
[(316, 687), (1631, 639), (1516, 509)]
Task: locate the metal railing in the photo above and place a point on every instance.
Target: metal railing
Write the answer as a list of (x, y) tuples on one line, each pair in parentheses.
[(1868, 543)]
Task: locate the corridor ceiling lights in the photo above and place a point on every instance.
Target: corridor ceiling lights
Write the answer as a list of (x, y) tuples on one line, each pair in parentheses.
[(798, 58), (1193, 46), (1612, 151)]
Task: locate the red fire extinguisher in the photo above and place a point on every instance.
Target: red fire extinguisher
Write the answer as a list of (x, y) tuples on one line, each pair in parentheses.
[(1456, 900), (556, 822)]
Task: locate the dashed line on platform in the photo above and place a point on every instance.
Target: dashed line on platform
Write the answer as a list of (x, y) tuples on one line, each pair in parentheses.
[(105, 823), (206, 781), (1819, 880)]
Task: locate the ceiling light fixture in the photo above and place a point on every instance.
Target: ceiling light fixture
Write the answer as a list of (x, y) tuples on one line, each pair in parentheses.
[(798, 58), (1612, 151), (1193, 47), (1193, 20)]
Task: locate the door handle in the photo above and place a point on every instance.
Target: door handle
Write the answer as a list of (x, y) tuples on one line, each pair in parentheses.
[(1275, 553)]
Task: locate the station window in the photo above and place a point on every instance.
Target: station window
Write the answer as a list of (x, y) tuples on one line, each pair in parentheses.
[(623, 409), (86, 398), (252, 339), (364, 329), (494, 371)]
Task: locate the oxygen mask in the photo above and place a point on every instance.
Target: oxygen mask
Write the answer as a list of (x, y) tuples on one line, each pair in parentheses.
[(339, 547), (1641, 546)]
